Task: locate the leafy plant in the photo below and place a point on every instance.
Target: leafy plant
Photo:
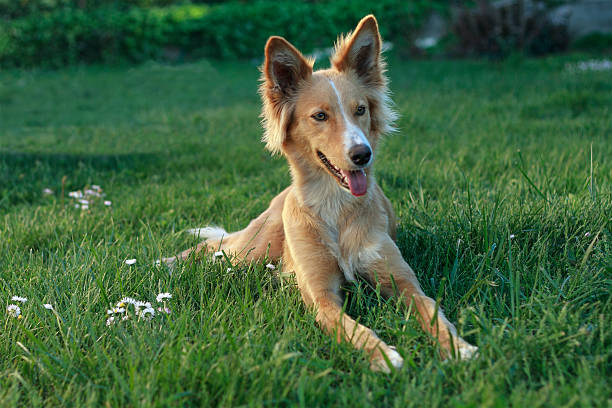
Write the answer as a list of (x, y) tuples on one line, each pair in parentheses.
[(513, 26)]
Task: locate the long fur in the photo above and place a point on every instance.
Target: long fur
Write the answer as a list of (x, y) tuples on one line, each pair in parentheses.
[(325, 229)]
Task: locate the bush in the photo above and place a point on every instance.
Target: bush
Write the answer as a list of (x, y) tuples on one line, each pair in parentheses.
[(230, 30), (497, 31)]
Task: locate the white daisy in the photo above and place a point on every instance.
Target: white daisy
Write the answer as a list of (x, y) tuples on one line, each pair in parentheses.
[(75, 194), (163, 310), (84, 206), (512, 236), (14, 311), (83, 201), (229, 269), (163, 296), (126, 301), (147, 313), (130, 261), (19, 299), (115, 310), (107, 203), (48, 306), (270, 266), (47, 191), (110, 320)]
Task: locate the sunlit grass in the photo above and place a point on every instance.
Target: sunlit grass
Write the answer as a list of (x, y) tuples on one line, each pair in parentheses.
[(500, 177)]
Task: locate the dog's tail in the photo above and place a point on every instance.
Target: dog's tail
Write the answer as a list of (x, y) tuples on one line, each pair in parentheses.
[(209, 233)]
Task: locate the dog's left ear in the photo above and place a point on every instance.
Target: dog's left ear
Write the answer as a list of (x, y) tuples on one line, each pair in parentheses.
[(360, 52), (284, 71)]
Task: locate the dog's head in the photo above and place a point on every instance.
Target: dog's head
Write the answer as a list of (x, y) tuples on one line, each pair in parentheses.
[(331, 117)]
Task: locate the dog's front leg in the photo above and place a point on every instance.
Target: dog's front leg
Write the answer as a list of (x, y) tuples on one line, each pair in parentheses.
[(391, 267), (319, 279)]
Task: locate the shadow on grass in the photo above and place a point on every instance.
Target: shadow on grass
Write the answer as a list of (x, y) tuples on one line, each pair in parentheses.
[(23, 175)]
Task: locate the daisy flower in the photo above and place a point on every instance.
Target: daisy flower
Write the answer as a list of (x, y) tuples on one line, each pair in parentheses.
[(163, 296), (47, 191), (140, 304), (270, 266), (115, 310), (147, 313), (107, 203), (14, 311), (19, 299), (127, 301), (130, 261), (110, 320)]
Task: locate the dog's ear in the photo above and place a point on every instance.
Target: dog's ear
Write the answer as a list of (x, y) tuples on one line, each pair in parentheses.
[(284, 70), (360, 52)]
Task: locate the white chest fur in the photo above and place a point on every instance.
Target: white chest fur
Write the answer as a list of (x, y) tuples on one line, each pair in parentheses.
[(354, 246)]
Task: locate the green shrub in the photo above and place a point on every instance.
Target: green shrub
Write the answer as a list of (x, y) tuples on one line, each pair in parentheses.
[(229, 30)]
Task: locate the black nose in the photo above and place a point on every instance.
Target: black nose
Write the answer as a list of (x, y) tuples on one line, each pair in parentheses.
[(360, 154)]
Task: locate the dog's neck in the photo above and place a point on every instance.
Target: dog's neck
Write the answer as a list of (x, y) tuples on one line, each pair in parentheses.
[(317, 190)]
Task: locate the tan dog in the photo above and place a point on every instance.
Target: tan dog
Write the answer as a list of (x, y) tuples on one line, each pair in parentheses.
[(334, 222)]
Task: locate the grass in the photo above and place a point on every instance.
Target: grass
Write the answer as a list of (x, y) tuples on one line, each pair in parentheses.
[(500, 176)]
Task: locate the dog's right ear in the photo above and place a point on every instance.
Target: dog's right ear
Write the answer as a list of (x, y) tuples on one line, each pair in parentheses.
[(284, 70)]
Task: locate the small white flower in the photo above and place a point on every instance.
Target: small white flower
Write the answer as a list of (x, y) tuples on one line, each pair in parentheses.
[(229, 269), (110, 320), (270, 266), (14, 311), (19, 299), (107, 203), (163, 310), (75, 194), (512, 236), (125, 317), (163, 296), (92, 193), (126, 301), (48, 306), (587, 234), (77, 205), (83, 201), (138, 304), (130, 261), (47, 191), (218, 254), (115, 310), (84, 207), (147, 313)]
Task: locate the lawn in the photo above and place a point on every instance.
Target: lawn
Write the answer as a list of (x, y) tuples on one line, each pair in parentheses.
[(500, 176)]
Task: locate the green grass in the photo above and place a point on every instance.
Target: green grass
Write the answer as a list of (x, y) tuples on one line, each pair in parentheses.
[(500, 176)]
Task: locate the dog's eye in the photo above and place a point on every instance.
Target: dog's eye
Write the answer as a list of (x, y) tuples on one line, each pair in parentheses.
[(360, 110), (320, 116)]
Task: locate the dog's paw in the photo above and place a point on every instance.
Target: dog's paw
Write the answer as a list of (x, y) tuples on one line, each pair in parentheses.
[(467, 352), (169, 262), (379, 363)]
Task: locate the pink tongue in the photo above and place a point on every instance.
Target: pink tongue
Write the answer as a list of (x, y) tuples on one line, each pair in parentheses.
[(357, 181)]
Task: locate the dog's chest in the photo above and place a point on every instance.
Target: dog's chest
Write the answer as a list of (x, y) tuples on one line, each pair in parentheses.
[(354, 245)]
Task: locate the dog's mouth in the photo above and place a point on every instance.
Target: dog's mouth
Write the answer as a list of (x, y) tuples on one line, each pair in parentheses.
[(353, 180)]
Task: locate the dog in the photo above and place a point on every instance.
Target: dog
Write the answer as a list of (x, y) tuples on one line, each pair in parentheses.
[(333, 223)]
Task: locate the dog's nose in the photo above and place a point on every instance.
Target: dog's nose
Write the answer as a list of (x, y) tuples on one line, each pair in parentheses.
[(360, 154)]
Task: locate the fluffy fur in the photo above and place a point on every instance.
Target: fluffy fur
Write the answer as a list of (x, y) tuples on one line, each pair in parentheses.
[(333, 222)]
